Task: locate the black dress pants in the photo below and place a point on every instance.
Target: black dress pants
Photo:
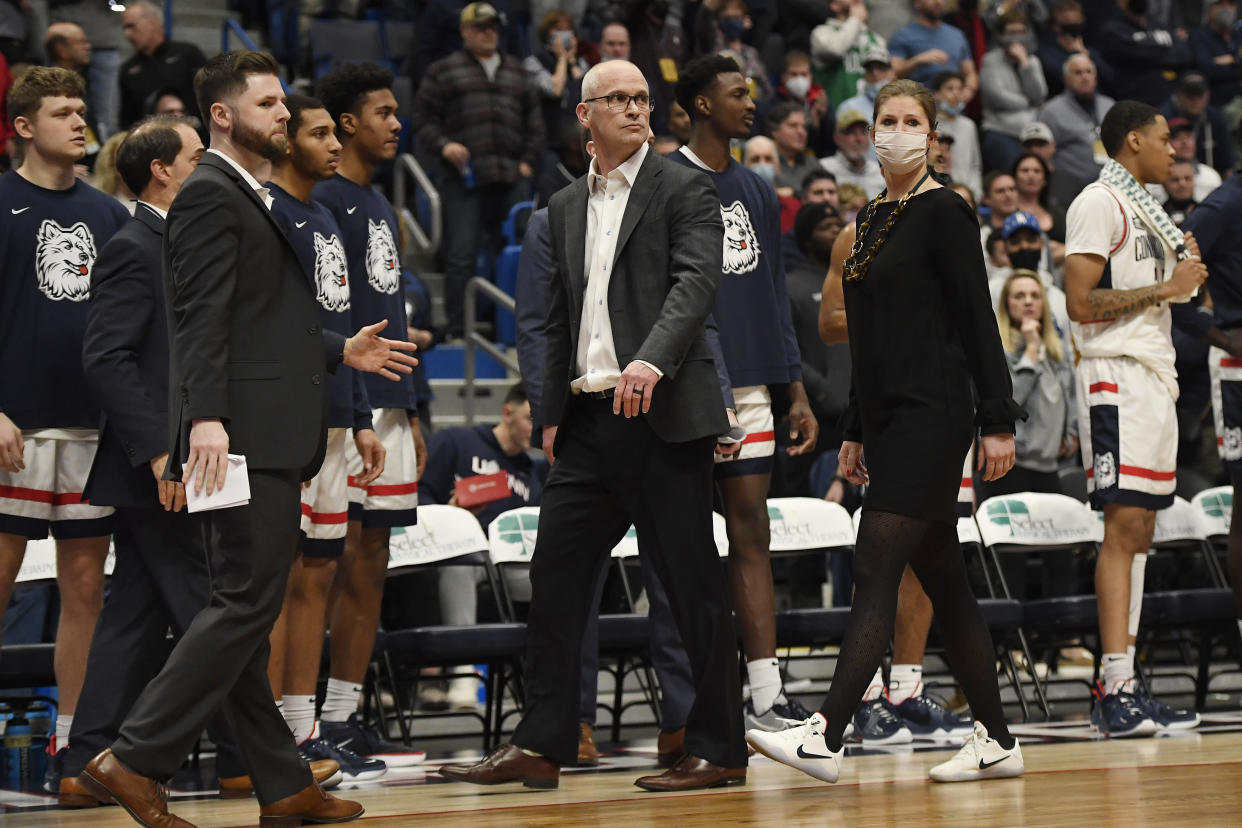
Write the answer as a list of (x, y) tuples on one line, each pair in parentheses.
[(222, 658), (610, 472), (160, 582)]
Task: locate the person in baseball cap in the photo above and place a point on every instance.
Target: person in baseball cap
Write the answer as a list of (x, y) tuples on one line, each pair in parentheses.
[(480, 14)]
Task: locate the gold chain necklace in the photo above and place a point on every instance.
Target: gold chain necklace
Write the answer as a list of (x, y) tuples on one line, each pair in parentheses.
[(854, 269)]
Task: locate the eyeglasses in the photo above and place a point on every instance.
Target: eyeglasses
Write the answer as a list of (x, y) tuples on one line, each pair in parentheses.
[(620, 101)]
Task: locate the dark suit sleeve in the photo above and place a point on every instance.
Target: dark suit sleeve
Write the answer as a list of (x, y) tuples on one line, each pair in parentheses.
[(695, 260), (536, 270), (122, 305), (203, 253), (333, 350), (556, 328), (722, 370)]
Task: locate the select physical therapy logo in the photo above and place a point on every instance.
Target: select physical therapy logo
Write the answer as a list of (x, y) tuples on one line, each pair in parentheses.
[(1015, 515), (519, 530)]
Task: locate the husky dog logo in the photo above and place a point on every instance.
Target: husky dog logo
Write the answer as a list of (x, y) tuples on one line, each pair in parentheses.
[(1105, 470), (64, 257), (382, 267), (331, 283), (1231, 444), (741, 247)]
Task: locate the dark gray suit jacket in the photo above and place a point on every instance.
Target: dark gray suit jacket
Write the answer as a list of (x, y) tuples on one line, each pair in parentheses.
[(246, 344), (125, 353), (665, 274)]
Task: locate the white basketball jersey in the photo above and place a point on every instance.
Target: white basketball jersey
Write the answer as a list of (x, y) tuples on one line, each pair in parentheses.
[(1101, 222)]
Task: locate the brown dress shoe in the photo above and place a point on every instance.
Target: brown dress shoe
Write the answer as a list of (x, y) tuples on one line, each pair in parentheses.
[(310, 804), (693, 773), (240, 787), (108, 780), (508, 763), (670, 746), (588, 754), (73, 795)]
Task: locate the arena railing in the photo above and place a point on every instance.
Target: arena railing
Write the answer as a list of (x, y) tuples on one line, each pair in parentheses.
[(409, 179), (475, 340)]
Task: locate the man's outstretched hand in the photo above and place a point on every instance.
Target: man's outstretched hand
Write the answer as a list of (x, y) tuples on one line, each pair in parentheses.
[(370, 352)]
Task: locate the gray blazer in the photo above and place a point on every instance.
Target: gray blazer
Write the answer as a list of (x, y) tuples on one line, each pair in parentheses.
[(663, 285)]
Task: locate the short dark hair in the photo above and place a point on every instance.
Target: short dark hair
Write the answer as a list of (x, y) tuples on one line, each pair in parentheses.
[(516, 395), (698, 76), (1123, 118), (151, 138), (224, 76), (994, 238), (297, 104), (944, 77), (346, 87), (27, 92), (780, 113), (990, 179), (813, 176)]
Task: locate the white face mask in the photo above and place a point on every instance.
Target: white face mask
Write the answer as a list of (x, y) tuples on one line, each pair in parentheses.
[(798, 86), (901, 152)]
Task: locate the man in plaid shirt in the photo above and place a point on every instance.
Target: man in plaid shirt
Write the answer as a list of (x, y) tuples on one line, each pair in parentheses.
[(480, 111)]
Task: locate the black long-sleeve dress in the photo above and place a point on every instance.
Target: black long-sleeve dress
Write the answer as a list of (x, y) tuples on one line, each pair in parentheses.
[(921, 329)]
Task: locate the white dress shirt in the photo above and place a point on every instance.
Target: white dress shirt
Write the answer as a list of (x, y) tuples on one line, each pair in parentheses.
[(264, 195), (158, 211), (597, 366)]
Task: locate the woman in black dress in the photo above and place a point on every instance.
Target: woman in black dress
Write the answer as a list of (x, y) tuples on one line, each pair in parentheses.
[(922, 333)]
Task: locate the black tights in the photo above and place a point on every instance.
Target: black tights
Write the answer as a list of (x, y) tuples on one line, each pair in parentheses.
[(886, 543)]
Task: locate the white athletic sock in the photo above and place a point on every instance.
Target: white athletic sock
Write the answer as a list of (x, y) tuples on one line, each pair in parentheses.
[(1118, 669), (299, 713), (340, 701), (63, 725), (765, 683), (1138, 573), (876, 688), (905, 681)]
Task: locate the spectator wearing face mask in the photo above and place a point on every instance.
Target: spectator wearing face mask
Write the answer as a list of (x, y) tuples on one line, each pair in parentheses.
[(839, 44), (877, 71), (798, 87), (1063, 40), (724, 32), (760, 156), (1024, 244), (1216, 51), (556, 70), (853, 163), (1013, 88), (1141, 53), (967, 164)]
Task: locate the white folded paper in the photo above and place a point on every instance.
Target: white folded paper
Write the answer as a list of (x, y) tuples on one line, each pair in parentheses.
[(236, 491)]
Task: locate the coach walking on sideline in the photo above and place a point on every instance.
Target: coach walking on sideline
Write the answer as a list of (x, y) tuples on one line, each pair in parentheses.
[(632, 408), (246, 374)]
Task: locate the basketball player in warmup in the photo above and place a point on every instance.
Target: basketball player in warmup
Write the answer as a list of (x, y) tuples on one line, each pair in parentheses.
[(52, 230), (313, 155), (760, 349), (359, 98), (1122, 269)]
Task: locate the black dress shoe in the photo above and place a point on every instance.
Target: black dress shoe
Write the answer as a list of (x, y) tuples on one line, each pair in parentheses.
[(692, 774), (508, 763)]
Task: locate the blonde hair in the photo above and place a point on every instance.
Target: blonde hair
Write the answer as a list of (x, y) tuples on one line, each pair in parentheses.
[(106, 177), (1012, 336)]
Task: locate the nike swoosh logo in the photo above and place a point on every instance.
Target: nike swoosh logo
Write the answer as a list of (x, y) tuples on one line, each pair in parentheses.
[(350, 210), (16, 212), (802, 754), (298, 223), (985, 765)]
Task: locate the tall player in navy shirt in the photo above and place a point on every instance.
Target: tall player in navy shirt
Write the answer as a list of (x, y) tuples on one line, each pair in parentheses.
[(760, 349), (360, 100), (53, 227), (313, 154)]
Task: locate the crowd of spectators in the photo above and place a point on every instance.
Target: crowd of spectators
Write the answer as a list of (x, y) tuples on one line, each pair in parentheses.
[(1021, 87)]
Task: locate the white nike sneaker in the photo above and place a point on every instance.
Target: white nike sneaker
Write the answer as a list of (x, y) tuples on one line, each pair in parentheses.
[(800, 747), (981, 757)]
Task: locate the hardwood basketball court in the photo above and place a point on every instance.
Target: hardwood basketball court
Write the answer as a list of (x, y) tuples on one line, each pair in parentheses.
[(1072, 778)]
